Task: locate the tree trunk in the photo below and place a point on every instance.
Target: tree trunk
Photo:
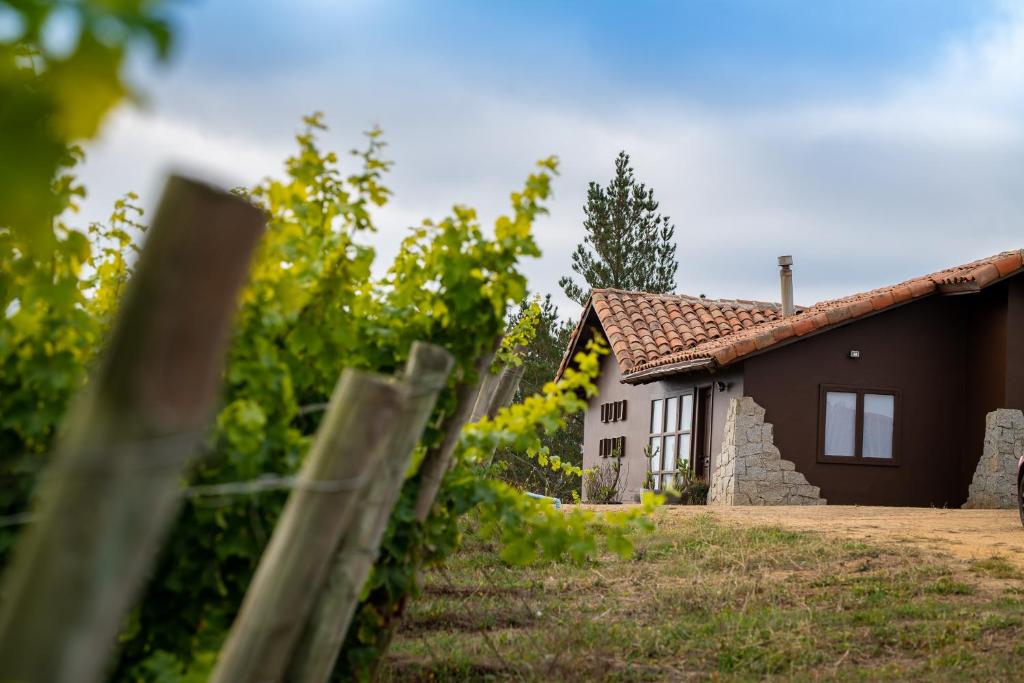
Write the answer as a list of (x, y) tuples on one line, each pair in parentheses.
[(425, 376), (115, 483), (349, 444)]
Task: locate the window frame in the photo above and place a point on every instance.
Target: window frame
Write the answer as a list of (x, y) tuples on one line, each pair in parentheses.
[(676, 433), (858, 457)]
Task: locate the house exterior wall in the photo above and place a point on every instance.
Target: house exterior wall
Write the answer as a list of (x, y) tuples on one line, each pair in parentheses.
[(953, 360), (986, 375), (1014, 348), (919, 349), (610, 389), (636, 426)]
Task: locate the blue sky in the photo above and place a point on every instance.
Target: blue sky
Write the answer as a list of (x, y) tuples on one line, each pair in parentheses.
[(873, 140)]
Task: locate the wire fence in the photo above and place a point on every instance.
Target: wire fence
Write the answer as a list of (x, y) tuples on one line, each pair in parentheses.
[(157, 455), (487, 603)]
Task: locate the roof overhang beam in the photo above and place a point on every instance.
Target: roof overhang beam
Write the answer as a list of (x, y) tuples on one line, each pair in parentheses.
[(659, 371)]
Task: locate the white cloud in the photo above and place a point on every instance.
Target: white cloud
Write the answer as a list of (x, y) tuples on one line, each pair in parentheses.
[(138, 148), (927, 172)]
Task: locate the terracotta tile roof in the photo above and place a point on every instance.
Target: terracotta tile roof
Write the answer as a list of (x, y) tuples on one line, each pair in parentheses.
[(653, 334), (643, 328)]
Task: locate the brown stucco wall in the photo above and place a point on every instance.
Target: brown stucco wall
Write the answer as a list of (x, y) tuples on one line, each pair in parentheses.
[(633, 427), (733, 379), (918, 349), (638, 416)]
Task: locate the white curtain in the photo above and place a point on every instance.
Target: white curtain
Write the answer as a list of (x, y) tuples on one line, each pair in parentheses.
[(840, 423), (879, 414)]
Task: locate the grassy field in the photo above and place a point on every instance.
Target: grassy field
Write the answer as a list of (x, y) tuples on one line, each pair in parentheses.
[(706, 601)]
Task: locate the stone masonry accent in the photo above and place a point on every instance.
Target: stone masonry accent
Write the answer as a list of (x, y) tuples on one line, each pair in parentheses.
[(995, 478), (750, 470)]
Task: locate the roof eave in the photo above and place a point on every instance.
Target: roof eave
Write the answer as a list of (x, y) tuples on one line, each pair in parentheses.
[(574, 339), (659, 371)]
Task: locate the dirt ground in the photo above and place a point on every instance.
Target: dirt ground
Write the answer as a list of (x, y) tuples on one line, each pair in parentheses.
[(964, 534)]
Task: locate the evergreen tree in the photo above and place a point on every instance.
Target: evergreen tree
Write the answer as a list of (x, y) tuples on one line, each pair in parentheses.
[(628, 245), (540, 365)]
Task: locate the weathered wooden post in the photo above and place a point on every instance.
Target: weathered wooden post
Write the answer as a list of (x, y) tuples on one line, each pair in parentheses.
[(425, 376), (475, 400), (436, 462), (350, 442), (498, 390), (113, 488)]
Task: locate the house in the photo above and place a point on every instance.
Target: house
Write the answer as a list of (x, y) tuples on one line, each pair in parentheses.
[(888, 397)]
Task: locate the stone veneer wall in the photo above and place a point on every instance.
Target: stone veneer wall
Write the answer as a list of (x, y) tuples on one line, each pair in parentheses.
[(995, 479), (750, 470)]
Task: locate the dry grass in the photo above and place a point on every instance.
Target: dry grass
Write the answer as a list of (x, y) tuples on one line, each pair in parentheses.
[(706, 601)]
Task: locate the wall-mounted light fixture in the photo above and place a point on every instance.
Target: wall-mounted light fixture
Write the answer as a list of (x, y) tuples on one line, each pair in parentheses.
[(721, 386), (854, 353)]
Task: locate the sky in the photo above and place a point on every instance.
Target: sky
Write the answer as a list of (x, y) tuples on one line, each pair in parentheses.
[(874, 140)]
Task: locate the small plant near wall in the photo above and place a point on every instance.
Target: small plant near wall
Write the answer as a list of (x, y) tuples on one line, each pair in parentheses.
[(648, 486), (687, 488), (601, 484)]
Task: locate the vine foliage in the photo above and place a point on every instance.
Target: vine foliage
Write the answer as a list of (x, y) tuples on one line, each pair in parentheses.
[(311, 308)]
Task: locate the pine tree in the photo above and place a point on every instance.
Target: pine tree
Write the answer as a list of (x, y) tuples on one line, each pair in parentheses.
[(628, 244)]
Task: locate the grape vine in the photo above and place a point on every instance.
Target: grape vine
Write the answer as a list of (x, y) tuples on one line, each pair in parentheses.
[(311, 308)]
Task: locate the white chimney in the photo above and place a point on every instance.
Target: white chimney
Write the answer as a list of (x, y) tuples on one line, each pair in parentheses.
[(786, 280)]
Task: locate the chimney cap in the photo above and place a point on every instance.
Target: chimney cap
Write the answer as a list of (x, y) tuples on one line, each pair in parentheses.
[(785, 261)]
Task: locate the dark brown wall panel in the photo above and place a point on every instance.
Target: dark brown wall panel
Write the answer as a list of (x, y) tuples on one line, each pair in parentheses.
[(986, 374), (1014, 322), (918, 349)]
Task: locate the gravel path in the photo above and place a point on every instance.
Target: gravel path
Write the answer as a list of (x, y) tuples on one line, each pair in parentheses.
[(965, 534)]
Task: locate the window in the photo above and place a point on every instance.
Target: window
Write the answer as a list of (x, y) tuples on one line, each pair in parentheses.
[(840, 423), (612, 447), (613, 412), (858, 425), (879, 418), (669, 445)]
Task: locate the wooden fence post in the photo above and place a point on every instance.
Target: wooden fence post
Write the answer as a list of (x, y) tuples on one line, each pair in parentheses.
[(349, 444), (498, 391), (425, 376), (475, 401), (435, 464), (113, 488)]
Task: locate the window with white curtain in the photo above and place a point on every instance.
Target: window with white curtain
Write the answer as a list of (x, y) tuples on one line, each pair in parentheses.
[(858, 425)]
